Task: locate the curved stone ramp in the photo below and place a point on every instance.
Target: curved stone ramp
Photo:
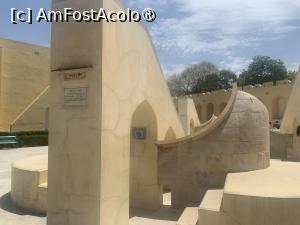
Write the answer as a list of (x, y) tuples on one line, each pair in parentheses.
[(265, 197), (236, 141), (29, 183)]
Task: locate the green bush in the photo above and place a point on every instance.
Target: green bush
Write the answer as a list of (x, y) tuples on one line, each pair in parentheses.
[(23, 133), (32, 140), (29, 138)]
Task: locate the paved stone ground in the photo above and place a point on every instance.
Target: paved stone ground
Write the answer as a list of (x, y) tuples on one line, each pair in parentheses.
[(11, 215)]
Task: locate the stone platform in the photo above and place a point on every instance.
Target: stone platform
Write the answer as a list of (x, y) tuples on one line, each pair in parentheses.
[(265, 197), (10, 214)]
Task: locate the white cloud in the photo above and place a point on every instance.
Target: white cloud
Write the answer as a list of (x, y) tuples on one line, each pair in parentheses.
[(194, 28), (237, 16), (216, 25), (171, 69), (235, 64)]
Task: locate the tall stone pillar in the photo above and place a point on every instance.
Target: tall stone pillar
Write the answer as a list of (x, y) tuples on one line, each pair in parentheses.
[(102, 72), (75, 151)]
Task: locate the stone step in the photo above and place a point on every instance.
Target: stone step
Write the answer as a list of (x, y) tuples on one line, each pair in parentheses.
[(212, 200), (189, 216), (210, 208)]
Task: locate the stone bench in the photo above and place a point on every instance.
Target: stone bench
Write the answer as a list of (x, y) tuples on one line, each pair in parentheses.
[(29, 183)]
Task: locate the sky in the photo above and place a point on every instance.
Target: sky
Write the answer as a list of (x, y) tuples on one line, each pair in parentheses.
[(227, 33)]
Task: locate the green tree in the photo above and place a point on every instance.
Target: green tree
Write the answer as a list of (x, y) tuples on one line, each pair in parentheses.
[(176, 85), (223, 80), (227, 78), (195, 73), (210, 83), (264, 69), (186, 82), (241, 79)]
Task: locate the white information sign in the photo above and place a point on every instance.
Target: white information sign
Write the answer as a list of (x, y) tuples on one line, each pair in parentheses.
[(75, 96)]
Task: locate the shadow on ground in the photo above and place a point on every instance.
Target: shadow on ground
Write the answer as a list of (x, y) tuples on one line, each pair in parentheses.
[(164, 213), (7, 205)]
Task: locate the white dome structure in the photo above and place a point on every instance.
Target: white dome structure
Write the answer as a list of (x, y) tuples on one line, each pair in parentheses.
[(236, 141)]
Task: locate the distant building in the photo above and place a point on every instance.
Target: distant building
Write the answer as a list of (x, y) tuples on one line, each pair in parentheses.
[(274, 97), (24, 78)]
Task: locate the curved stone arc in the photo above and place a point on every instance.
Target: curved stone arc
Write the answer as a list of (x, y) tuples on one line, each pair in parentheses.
[(207, 123), (208, 127)]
